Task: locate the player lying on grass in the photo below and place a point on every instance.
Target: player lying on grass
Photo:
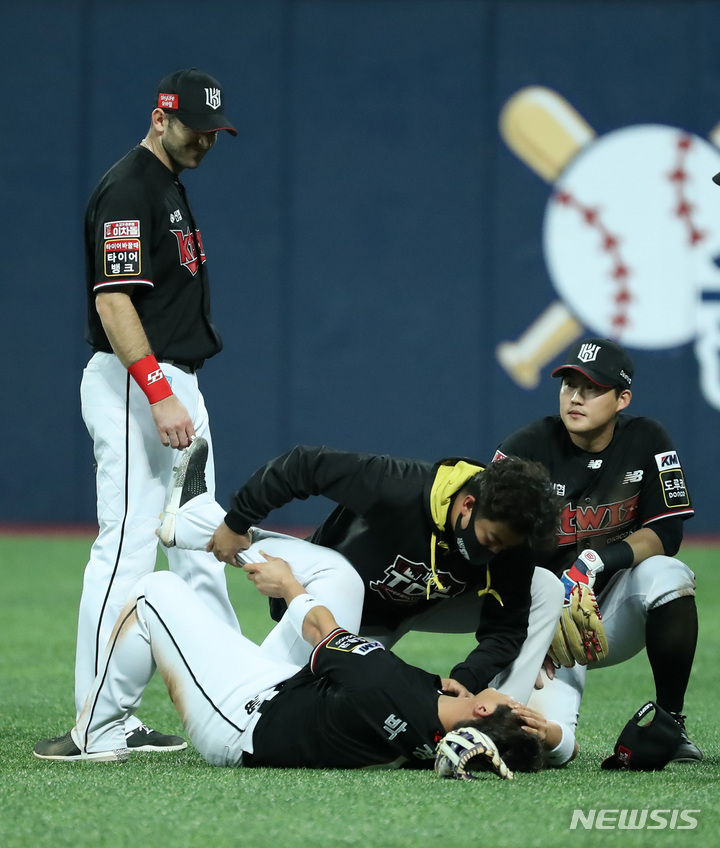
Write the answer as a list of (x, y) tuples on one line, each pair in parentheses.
[(354, 705), (436, 547)]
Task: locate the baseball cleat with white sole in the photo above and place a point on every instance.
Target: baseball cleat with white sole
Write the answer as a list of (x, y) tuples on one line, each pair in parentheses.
[(63, 749), (143, 738), (188, 483)]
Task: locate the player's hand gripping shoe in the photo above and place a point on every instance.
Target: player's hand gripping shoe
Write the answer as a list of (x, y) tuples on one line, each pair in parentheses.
[(580, 634), (188, 483)]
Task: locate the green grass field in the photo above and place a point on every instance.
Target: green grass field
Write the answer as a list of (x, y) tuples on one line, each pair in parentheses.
[(176, 800)]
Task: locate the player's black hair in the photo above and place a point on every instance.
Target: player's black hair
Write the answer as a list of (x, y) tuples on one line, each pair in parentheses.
[(521, 751), (518, 492)]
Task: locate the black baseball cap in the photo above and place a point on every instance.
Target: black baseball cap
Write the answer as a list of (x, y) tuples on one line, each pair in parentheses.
[(600, 360), (649, 746), (194, 98), (716, 179)]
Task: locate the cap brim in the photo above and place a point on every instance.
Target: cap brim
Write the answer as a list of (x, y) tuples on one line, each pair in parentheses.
[(613, 762), (716, 179), (558, 372), (205, 123)]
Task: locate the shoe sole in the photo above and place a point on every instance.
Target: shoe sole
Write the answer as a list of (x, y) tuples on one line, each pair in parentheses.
[(158, 749), (166, 531), (118, 756)]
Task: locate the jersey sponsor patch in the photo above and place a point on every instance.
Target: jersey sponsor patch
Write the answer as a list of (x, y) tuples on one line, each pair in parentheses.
[(666, 461), (121, 229), (167, 101), (674, 489), (349, 643), (122, 257)]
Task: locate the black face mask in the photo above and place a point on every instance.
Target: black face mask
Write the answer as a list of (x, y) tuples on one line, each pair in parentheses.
[(467, 541)]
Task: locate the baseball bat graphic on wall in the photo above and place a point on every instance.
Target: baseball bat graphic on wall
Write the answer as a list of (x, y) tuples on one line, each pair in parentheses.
[(630, 235)]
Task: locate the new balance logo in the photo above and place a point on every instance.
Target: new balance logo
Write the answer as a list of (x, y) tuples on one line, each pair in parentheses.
[(633, 476), (595, 464)]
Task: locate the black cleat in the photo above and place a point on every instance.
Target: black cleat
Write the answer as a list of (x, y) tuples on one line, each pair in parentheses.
[(145, 739), (63, 748), (687, 751)]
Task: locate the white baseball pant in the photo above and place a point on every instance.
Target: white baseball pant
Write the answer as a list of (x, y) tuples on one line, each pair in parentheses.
[(329, 577), (326, 574), (134, 478), (624, 604), (217, 678)]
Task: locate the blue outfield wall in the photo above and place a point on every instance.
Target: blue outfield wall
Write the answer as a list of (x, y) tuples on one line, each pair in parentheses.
[(395, 268)]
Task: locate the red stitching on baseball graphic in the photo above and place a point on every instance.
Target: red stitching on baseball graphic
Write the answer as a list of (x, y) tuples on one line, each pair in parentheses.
[(608, 244), (679, 176)]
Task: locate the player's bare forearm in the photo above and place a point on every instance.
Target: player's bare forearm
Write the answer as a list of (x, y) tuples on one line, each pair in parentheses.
[(130, 344), (274, 579), (123, 327), (225, 544)]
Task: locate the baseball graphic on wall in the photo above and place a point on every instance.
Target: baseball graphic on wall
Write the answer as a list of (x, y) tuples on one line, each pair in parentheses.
[(631, 236), (630, 233)]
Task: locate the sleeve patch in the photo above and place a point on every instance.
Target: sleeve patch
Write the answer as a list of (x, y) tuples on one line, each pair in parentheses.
[(674, 489), (350, 644), (121, 229), (666, 461), (122, 257)]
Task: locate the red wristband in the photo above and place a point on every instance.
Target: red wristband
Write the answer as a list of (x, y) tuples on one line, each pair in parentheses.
[(149, 376)]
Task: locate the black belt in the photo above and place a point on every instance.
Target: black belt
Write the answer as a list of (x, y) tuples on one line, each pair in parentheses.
[(187, 367)]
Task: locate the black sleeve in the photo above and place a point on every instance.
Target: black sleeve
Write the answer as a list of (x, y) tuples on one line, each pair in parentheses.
[(670, 533), (349, 479), (503, 626), (358, 663)]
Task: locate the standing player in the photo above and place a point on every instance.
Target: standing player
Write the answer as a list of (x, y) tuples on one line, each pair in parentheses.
[(440, 548), (150, 330), (355, 705), (622, 526)]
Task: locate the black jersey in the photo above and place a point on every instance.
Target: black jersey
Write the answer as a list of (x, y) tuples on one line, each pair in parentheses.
[(389, 524), (355, 705), (140, 235), (636, 481)]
